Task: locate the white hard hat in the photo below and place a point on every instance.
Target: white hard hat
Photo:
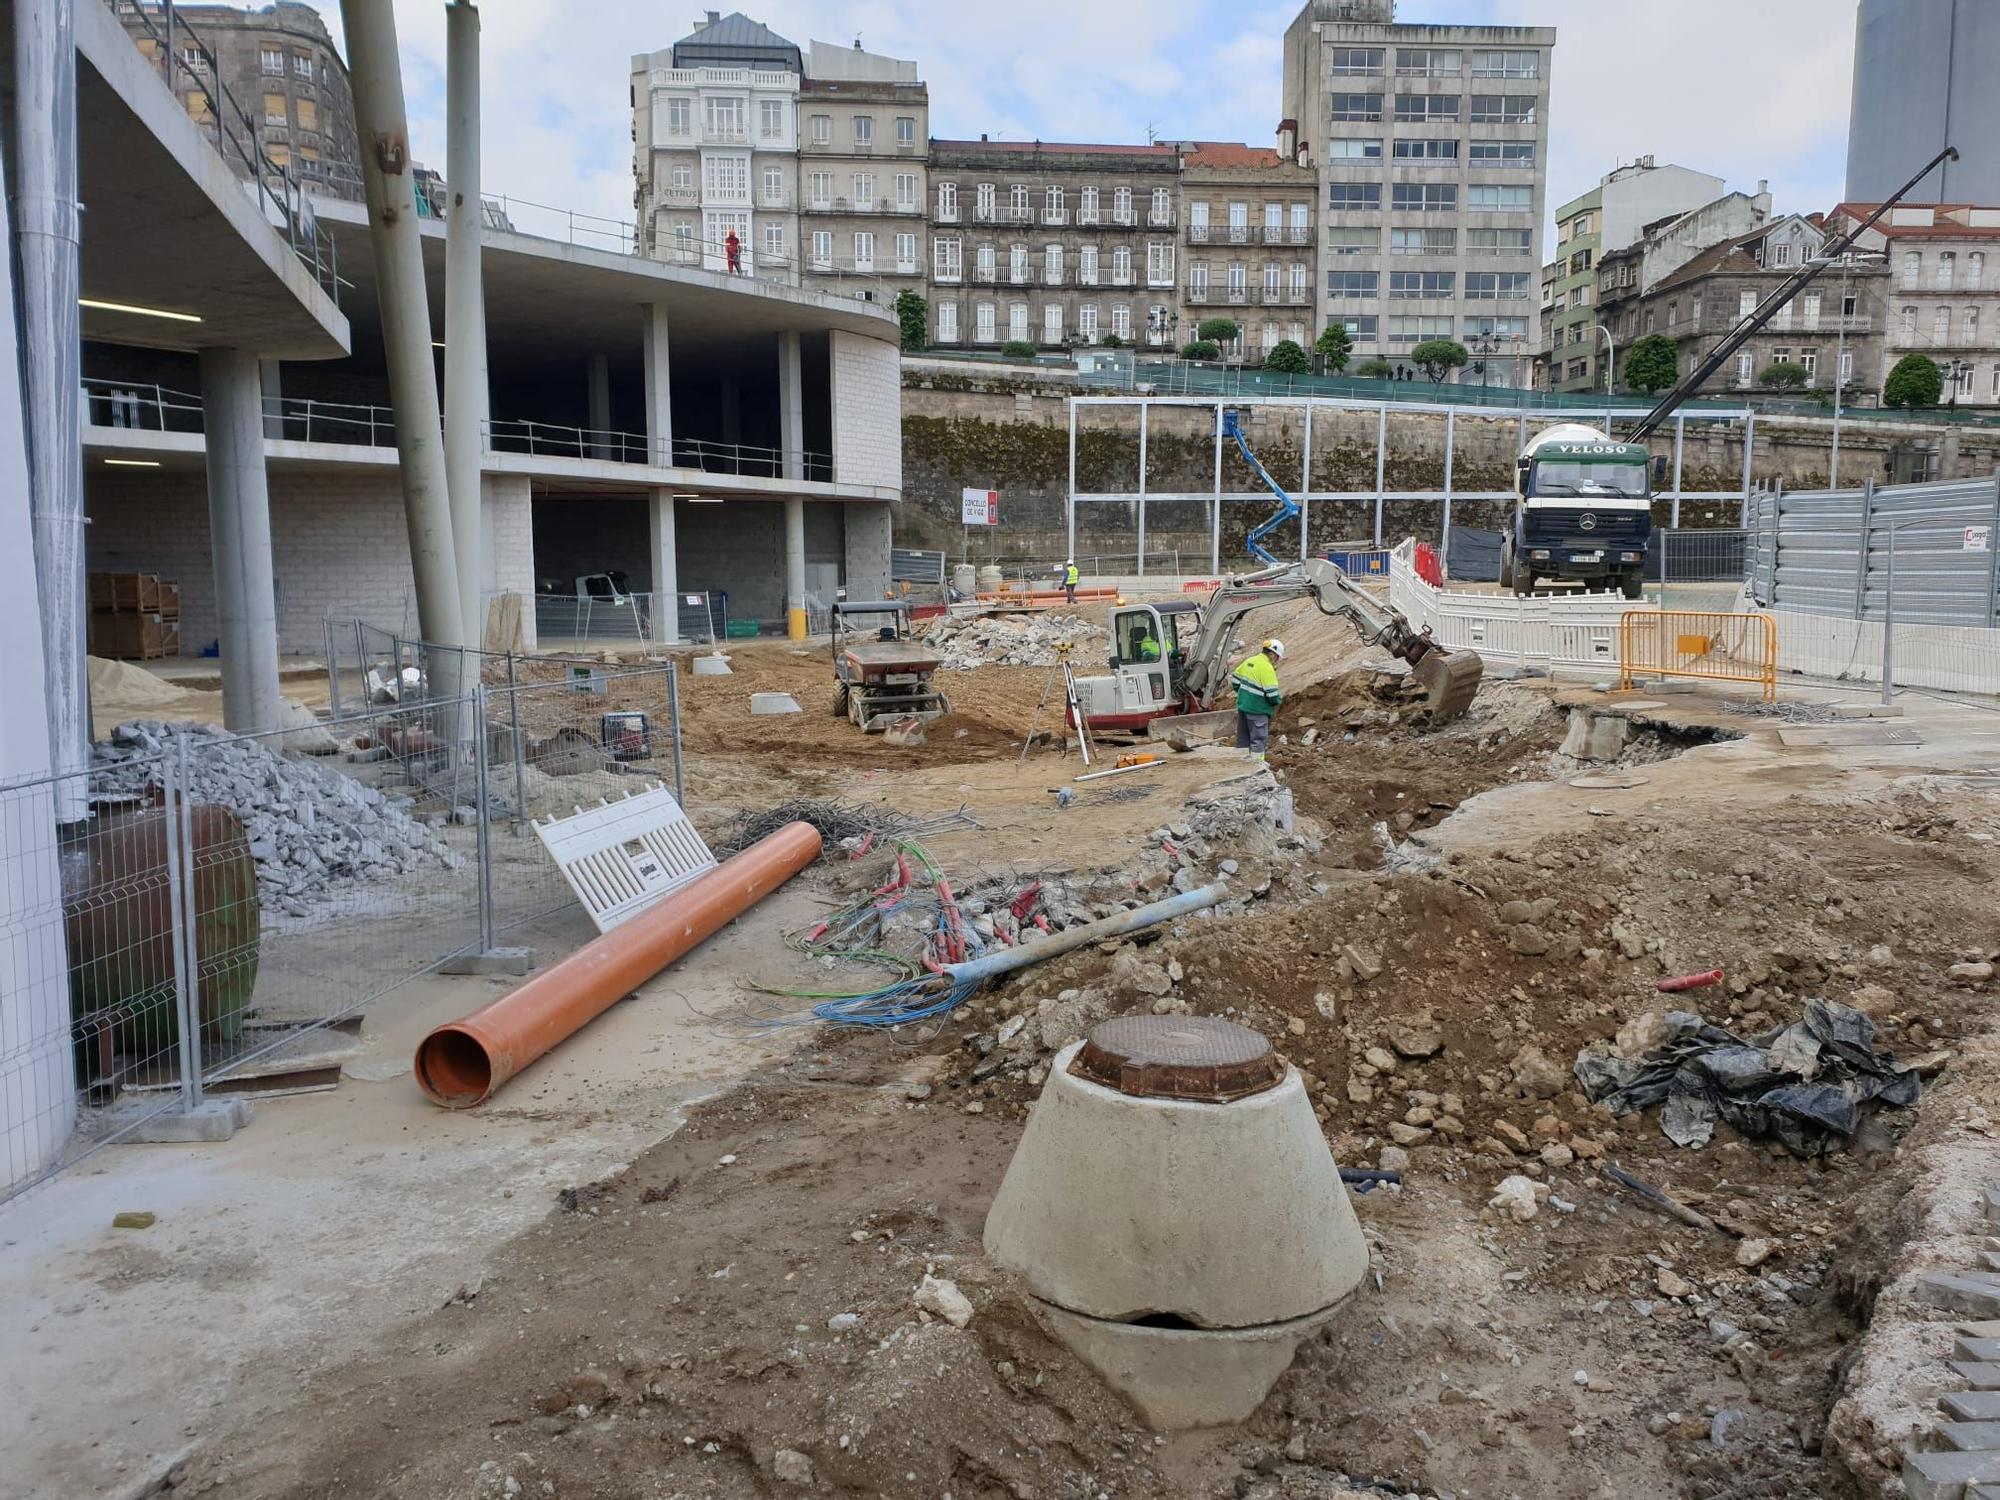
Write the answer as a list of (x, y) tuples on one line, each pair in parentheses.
[(1275, 647)]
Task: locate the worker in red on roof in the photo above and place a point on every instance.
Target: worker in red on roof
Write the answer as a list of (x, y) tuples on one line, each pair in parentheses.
[(733, 248)]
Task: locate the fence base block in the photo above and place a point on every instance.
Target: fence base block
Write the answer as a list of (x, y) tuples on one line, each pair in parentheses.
[(492, 961), (210, 1120)]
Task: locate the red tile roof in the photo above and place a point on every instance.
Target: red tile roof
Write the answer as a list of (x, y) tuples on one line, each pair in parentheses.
[(1071, 147), (1949, 229), (1232, 154)]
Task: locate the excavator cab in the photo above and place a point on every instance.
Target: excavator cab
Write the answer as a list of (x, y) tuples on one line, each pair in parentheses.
[(1150, 644)]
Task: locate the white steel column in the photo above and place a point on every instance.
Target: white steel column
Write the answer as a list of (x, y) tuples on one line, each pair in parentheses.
[(383, 123), (666, 567), (1306, 482), (271, 382), (1749, 457), (1381, 449), (51, 360), (239, 525), (1145, 410), (1071, 507), (792, 459), (659, 395), (1215, 504), (1444, 536), (464, 315), (1680, 437)]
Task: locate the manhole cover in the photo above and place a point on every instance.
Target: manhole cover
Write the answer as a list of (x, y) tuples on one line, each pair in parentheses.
[(1178, 1057)]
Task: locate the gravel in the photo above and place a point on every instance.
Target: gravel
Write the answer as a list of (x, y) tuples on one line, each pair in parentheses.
[(967, 641)]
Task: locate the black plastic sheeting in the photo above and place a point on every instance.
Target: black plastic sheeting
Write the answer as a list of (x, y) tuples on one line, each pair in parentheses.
[(1475, 555), (1805, 1086)]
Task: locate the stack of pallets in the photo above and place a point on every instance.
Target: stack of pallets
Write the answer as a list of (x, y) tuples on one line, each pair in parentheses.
[(134, 616)]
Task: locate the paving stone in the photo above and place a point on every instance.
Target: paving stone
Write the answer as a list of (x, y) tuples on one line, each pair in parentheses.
[(1976, 1293), (1971, 1406), (1971, 1437), (1977, 1374), (1944, 1476), (1987, 1350)]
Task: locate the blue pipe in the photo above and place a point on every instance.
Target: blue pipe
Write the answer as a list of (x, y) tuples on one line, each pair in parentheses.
[(976, 971), (1288, 508)]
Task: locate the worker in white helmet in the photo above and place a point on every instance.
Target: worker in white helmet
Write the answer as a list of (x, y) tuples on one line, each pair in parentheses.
[(1257, 697), (1070, 576)]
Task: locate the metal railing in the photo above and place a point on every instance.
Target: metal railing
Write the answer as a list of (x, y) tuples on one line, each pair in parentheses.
[(1709, 646)]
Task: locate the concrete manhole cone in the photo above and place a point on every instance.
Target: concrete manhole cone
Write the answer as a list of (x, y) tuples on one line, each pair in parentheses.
[(1180, 1245)]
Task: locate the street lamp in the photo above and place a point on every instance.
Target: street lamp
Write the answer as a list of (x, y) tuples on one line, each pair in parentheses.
[(1955, 371), (1840, 349), (1610, 357)]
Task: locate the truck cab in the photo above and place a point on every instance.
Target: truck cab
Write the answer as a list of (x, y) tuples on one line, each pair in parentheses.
[(1583, 510), (1149, 649)]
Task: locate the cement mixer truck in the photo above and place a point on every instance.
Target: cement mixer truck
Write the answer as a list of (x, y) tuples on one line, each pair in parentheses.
[(1583, 510)]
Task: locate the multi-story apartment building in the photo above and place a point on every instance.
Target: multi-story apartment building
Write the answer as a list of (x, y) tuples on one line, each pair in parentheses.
[(1051, 243), (864, 139), (1942, 297), (1252, 245), (1625, 275), (1701, 301), (715, 148), (1430, 145), (277, 66), (1608, 217)]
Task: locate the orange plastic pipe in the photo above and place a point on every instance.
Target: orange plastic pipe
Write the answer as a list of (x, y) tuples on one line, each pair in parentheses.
[(463, 1062)]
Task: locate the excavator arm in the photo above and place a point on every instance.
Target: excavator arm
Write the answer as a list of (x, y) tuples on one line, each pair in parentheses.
[(1449, 679)]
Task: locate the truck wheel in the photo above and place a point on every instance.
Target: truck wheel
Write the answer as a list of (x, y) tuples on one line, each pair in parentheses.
[(1524, 580), (1634, 586), (1507, 564), (840, 701)]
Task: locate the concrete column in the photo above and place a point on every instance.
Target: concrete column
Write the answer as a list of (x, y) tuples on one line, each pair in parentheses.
[(271, 388), (792, 443), (465, 394), (599, 445), (868, 531), (239, 524), (666, 568), (659, 397)]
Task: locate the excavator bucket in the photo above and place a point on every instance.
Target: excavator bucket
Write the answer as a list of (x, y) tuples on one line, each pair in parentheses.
[(1449, 679)]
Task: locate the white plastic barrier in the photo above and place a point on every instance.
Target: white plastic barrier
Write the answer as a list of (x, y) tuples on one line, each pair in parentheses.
[(1947, 658)]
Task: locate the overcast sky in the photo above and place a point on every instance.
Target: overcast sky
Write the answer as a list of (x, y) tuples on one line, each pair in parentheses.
[(1741, 88)]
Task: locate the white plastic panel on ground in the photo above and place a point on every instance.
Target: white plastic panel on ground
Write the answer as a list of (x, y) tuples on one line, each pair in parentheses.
[(621, 857), (1945, 658), (1553, 631)]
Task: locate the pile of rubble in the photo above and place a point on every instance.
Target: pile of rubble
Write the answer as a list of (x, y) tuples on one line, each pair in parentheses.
[(1030, 640), (310, 827)]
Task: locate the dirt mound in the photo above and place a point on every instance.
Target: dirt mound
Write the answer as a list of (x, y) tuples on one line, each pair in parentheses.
[(129, 685)]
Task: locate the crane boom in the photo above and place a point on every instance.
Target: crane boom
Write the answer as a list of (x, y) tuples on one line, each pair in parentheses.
[(1288, 509)]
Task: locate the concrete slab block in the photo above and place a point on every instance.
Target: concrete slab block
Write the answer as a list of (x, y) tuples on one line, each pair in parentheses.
[(774, 703), (1989, 1260), (211, 1120), (1866, 710), (1975, 1293), (1944, 1476), (1986, 1329), (1989, 1203), (1982, 1492), (712, 666), (1971, 1437), (1971, 1406), (492, 961), (1978, 1374), (1594, 736), (1987, 1350)]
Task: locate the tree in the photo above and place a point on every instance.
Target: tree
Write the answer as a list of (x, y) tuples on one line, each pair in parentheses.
[(1287, 358), (914, 314), (1112, 341), (1437, 358), (1218, 331), (1652, 364), (1201, 349), (1783, 376), (1916, 381), (1374, 369), (1335, 347), (1017, 349)]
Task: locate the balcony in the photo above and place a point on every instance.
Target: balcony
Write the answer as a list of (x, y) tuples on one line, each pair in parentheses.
[(986, 274), (986, 213), (1299, 234), (1052, 277), (1055, 217), (945, 215), (947, 277), (1123, 216), (1086, 216), (1019, 276), (1198, 296), (1160, 218), (819, 205), (1274, 234), (725, 135), (774, 198), (1017, 213), (1121, 278), (1197, 234), (1086, 278), (1298, 296), (1237, 296), (1237, 234)]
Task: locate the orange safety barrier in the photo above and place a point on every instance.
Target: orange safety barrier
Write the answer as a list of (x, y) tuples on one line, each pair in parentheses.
[(1709, 645)]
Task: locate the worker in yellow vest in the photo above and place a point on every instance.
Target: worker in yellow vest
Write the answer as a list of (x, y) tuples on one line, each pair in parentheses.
[(1257, 697), (1070, 576)]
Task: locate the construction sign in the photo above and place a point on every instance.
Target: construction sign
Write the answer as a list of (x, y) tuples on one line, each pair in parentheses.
[(979, 507), (1979, 539)]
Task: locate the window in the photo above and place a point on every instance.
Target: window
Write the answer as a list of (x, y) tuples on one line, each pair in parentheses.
[(1909, 325), (1426, 62), (1427, 151), (1812, 309), (983, 203), (308, 113), (1810, 359), (1419, 108), (1086, 206), (1163, 209), (985, 263), (1781, 253), (1052, 205), (1357, 149), (1121, 265), (1416, 330), (947, 323), (280, 153), (906, 192), (1947, 262), (680, 117), (1121, 205), (1498, 286), (864, 189), (1086, 265), (774, 241), (906, 130), (1353, 241), (1239, 221), (1506, 65), (1017, 202), (274, 110), (945, 262), (819, 188), (1846, 366), (1359, 328), (1271, 275), (1236, 281), (1017, 320), (1912, 268), (1425, 197), (309, 160), (191, 58), (1300, 214), (1017, 263), (822, 250), (864, 250), (1501, 198), (1971, 326), (1431, 286), (1746, 303), (1351, 107), (1198, 278), (1422, 241), (1496, 328), (1159, 263), (1121, 321), (1086, 322), (681, 178), (302, 67), (1847, 304), (947, 200), (1503, 109), (1297, 281), (864, 130), (1354, 197), (273, 60), (1501, 153), (1344, 285), (771, 119), (1579, 263), (1499, 241), (1975, 267), (722, 118), (1354, 62), (822, 130), (982, 323), (1941, 327)]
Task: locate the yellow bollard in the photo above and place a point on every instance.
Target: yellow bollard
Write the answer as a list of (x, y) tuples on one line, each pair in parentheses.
[(795, 624)]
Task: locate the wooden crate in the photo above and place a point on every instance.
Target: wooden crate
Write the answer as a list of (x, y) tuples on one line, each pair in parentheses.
[(137, 593), (170, 600), (133, 637)]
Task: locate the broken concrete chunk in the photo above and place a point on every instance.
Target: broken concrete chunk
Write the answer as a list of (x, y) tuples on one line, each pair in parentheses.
[(1416, 1039), (1535, 1073), (1514, 1198), (943, 1299), (789, 1466), (774, 703)]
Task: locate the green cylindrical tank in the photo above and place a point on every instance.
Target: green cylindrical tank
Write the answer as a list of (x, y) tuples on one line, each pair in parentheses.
[(118, 917)]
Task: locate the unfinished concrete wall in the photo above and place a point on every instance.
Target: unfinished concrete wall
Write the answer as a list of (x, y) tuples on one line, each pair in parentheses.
[(739, 547), (868, 531), (867, 411)]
